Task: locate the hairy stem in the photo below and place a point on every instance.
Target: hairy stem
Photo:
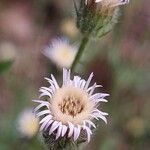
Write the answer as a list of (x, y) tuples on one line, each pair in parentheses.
[(80, 52)]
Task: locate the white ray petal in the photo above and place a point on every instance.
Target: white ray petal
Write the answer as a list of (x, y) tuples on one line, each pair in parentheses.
[(93, 116), (100, 116), (90, 123), (41, 113), (100, 100), (91, 89), (48, 117), (47, 89), (40, 101), (64, 77), (53, 88), (59, 131), (55, 82), (48, 124), (103, 113), (49, 80), (76, 81), (43, 90), (82, 83), (88, 131), (54, 126), (44, 125), (98, 96), (68, 77), (40, 106), (64, 130), (45, 94), (71, 127), (88, 81), (76, 132)]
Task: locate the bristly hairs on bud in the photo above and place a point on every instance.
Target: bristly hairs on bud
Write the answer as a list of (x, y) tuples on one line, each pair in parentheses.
[(105, 26), (86, 17), (95, 20)]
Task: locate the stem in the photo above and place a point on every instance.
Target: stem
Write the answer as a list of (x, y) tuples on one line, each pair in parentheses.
[(80, 52)]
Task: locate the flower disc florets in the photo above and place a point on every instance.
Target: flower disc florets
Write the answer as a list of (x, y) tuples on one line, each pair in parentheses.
[(70, 108)]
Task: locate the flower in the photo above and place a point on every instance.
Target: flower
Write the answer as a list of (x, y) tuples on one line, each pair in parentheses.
[(70, 109), (28, 124), (61, 52)]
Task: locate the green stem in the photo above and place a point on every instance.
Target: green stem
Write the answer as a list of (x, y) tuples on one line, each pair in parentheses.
[(80, 52)]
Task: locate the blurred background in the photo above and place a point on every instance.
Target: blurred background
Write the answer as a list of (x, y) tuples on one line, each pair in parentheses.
[(120, 62)]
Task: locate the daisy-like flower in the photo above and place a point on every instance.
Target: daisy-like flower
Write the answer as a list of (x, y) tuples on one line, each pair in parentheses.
[(61, 52), (71, 108), (112, 3), (28, 124)]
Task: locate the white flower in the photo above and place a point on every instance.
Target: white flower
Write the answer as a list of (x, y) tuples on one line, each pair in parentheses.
[(28, 124), (61, 52), (112, 3), (70, 108)]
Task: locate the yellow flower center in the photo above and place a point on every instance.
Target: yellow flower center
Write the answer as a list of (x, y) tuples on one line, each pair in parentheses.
[(71, 105)]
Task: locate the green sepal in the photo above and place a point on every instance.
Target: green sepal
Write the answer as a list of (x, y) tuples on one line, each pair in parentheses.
[(62, 143), (106, 25), (91, 22)]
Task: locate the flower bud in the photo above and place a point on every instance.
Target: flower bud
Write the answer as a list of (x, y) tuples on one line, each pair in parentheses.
[(97, 17)]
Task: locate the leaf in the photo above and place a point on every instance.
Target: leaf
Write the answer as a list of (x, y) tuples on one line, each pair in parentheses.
[(5, 65)]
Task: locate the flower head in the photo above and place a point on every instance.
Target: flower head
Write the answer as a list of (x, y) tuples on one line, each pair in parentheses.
[(28, 124), (61, 52), (71, 108)]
